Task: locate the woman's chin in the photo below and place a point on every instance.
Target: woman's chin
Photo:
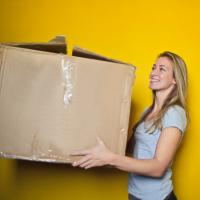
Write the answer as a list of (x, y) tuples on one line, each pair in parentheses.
[(154, 87)]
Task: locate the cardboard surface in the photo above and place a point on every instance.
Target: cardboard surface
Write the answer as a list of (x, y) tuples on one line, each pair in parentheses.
[(55, 45), (35, 121)]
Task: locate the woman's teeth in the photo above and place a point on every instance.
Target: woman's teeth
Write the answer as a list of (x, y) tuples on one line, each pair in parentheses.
[(153, 80)]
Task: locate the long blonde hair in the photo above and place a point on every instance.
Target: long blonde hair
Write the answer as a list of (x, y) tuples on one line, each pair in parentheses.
[(178, 95)]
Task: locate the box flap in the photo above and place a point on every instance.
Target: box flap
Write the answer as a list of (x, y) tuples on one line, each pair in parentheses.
[(59, 39), (81, 52), (55, 45)]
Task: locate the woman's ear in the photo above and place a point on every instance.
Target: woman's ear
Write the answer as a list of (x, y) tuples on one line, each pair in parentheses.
[(173, 81)]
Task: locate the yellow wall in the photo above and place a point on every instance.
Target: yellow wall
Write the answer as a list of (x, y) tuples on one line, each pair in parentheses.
[(130, 30)]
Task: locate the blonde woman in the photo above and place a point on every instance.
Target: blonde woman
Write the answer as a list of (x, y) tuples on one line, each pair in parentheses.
[(156, 138)]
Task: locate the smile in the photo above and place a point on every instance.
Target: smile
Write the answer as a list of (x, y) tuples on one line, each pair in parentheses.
[(154, 80)]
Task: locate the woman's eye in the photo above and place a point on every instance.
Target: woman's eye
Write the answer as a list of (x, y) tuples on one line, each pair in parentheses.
[(162, 69)]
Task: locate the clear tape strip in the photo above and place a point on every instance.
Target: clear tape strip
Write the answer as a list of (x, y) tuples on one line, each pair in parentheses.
[(67, 68)]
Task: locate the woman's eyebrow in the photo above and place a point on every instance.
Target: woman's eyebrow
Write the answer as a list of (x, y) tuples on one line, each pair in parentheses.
[(160, 65), (163, 66)]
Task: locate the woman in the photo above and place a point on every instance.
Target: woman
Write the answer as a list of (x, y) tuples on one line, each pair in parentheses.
[(156, 136)]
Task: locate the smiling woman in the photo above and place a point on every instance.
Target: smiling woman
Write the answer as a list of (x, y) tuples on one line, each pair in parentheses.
[(157, 135), (162, 74)]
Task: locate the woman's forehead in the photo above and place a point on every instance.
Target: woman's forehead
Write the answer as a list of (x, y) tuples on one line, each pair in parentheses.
[(163, 61)]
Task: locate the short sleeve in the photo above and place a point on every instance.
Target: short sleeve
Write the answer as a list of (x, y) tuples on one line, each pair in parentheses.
[(175, 116)]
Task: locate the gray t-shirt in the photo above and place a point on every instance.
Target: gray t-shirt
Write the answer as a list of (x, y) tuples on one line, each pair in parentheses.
[(146, 187)]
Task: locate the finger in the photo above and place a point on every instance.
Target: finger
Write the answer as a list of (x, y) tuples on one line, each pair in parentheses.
[(91, 165), (82, 160), (89, 162), (88, 167)]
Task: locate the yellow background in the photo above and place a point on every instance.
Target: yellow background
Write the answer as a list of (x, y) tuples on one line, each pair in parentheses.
[(130, 30)]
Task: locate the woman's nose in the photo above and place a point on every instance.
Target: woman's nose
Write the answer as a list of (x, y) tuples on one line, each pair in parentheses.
[(155, 72)]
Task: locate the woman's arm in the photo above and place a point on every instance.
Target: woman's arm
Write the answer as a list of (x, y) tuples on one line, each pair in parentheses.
[(165, 151)]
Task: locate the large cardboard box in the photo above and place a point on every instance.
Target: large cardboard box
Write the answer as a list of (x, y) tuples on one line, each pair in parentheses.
[(52, 104)]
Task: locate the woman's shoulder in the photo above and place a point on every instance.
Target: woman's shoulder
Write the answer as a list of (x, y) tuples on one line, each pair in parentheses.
[(175, 110), (175, 116)]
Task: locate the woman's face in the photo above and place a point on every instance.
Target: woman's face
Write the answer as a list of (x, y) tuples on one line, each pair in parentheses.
[(161, 76)]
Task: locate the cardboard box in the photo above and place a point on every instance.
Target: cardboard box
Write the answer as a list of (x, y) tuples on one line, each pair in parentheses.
[(52, 104), (55, 45)]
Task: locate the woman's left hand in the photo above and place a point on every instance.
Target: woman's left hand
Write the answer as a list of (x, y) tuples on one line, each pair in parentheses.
[(97, 156)]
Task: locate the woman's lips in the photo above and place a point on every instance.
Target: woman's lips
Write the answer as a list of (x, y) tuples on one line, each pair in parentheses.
[(154, 80)]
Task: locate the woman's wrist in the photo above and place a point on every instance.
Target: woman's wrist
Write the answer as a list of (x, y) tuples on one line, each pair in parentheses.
[(112, 159)]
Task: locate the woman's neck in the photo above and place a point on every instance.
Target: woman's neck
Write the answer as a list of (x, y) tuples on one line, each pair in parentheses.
[(160, 97)]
